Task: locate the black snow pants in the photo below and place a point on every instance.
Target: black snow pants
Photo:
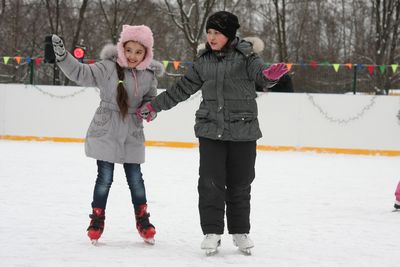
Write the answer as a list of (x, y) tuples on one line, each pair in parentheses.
[(226, 173)]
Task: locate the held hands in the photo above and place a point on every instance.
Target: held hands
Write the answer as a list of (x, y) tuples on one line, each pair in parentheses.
[(275, 71), (146, 112), (59, 48)]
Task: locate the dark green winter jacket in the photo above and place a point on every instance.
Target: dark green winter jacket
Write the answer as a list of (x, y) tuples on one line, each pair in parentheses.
[(227, 80)]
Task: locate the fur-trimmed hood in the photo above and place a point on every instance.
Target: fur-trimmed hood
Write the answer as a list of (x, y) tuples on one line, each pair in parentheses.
[(256, 43), (110, 52)]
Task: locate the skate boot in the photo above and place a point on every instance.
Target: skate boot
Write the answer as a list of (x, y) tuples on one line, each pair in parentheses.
[(396, 205), (96, 226), (243, 242), (211, 243), (145, 228)]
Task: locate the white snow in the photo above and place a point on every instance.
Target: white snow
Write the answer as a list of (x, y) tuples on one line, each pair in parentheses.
[(308, 209)]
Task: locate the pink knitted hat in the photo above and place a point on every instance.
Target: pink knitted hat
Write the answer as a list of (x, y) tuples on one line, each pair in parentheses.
[(141, 34)]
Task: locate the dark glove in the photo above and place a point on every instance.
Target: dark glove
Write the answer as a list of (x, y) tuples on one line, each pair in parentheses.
[(275, 71), (59, 48), (146, 112)]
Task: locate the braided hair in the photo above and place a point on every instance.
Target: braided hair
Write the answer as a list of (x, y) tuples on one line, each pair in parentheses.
[(122, 95)]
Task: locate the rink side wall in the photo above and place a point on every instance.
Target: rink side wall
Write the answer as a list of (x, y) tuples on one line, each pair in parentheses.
[(353, 124)]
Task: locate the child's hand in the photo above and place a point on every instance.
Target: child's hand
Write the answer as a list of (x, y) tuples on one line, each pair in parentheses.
[(59, 48), (275, 71), (146, 112)]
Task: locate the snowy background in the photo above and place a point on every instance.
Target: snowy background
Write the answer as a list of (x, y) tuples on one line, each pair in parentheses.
[(307, 210)]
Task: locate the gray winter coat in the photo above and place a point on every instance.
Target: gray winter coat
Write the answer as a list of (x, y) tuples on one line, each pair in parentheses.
[(109, 137), (227, 80)]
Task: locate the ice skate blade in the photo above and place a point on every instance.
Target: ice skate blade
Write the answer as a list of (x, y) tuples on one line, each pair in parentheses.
[(149, 241), (94, 242), (211, 251), (246, 251)]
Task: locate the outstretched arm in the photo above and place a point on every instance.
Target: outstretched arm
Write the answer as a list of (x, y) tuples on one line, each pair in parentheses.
[(82, 74), (180, 91), (265, 77)]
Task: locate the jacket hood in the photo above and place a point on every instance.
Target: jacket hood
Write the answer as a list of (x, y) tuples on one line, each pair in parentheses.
[(110, 52), (252, 42), (141, 34)]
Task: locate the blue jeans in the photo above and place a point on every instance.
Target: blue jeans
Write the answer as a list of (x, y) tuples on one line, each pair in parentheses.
[(105, 173)]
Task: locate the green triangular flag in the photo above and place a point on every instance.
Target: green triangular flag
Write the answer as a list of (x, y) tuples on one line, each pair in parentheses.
[(5, 59), (165, 63), (382, 68), (394, 67), (336, 67)]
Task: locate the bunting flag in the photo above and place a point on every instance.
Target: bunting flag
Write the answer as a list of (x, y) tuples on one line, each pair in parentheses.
[(289, 66), (5, 59), (382, 68), (165, 63), (371, 69), (336, 67), (176, 64), (349, 65), (38, 60), (394, 67), (18, 59), (314, 64)]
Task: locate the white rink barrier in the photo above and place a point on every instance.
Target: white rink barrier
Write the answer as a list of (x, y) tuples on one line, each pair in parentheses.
[(355, 124)]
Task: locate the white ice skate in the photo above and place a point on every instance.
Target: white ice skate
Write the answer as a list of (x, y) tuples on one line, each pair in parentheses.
[(243, 242), (211, 243)]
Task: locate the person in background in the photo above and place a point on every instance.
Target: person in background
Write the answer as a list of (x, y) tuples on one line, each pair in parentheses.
[(226, 72), (126, 77), (397, 195), (284, 85)]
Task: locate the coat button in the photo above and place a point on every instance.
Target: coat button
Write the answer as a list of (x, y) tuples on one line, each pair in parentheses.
[(219, 136)]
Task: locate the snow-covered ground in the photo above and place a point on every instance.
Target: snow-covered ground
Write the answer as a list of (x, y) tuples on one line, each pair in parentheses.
[(307, 210)]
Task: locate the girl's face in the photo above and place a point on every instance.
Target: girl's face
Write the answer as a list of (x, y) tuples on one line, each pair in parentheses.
[(216, 39), (134, 53)]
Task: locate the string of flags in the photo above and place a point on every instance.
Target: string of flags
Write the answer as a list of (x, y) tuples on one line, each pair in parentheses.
[(176, 64)]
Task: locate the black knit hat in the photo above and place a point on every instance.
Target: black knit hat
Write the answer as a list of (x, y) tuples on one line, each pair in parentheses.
[(224, 22)]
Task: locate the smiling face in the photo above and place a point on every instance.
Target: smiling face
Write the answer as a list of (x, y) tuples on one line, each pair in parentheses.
[(134, 53), (216, 39)]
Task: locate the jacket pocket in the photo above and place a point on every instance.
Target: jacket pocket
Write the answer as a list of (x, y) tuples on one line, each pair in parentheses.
[(244, 126), (137, 129), (100, 122), (202, 122)]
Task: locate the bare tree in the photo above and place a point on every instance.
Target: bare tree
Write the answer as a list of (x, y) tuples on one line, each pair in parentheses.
[(82, 11), (190, 19), (280, 18), (120, 12), (387, 24)]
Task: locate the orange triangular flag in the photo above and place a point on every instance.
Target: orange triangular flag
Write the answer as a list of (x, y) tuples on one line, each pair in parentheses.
[(18, 59), (349, 65), (289, 66), (176, 64)]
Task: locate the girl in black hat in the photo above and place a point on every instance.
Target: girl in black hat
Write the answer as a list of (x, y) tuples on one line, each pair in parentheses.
[(227, 72)]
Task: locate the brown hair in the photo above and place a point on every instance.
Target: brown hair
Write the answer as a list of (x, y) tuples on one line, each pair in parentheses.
[(122, 95)]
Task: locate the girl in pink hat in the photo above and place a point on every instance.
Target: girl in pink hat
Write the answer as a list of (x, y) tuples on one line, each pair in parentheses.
[(126, 77)]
